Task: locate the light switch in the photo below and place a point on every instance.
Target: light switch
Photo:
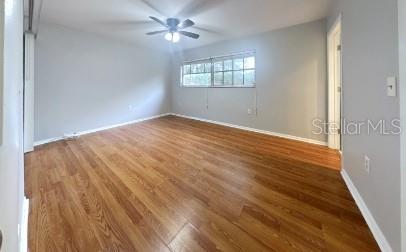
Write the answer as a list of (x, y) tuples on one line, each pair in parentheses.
[(391, 86)]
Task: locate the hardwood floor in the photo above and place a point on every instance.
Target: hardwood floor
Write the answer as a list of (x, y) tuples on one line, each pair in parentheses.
[(174, 184)]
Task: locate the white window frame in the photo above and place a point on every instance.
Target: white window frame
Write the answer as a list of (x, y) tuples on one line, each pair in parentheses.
[(212, 60)]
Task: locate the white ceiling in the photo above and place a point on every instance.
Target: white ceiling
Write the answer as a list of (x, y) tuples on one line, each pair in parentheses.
[(215, 20)]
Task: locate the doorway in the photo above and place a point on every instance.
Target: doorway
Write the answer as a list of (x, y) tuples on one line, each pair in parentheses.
[(334, 85)]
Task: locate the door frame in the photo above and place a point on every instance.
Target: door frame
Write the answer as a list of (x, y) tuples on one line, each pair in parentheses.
[(334, 54), (29, 54), (402, 98)]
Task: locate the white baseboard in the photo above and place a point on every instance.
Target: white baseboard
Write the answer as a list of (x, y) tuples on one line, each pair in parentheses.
[(369, 218), (24, 226), (45, 141), (301, 139)]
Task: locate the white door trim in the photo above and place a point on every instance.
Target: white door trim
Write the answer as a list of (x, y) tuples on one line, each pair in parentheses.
[(29, 52), (402, 98), (334, 52)]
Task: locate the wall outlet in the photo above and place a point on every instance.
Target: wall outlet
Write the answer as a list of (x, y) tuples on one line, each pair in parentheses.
[(391, 86), (367, 164), (250, 111), (72, 136)]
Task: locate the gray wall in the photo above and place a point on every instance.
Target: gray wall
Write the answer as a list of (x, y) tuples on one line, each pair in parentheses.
[(291, 83), (11, 147), (370, 55), (85, 81)]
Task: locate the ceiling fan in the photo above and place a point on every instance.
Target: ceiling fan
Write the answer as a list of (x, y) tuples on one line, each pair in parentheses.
[(174, 28)]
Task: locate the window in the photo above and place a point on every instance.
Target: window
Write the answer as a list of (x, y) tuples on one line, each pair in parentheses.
[(197, 74), (228, 71)]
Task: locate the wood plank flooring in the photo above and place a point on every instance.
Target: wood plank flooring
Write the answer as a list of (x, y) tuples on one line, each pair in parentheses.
[(174, 184)]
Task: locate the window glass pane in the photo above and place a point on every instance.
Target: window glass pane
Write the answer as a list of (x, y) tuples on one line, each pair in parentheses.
[(218, 79), (228, 78), (238, 78), (186, 79), (198, 68), (197, 79), (186, 69), (249, 77), (207, 67), (218, 66), (203, 79), (249, 63), (228, 65), (238, 64), (193, 79), (207, 79), (193, 68)]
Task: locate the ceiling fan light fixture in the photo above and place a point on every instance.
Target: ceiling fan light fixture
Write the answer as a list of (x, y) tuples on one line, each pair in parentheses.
[(174, 29), (175, 37), (169, 36)]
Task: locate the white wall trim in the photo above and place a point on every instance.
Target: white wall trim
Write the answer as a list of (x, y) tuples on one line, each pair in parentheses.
[(24, 225), (301, 139), (402, 98), (45, 141), (49, 140), (369, 218), (29, 83), (334, 82)]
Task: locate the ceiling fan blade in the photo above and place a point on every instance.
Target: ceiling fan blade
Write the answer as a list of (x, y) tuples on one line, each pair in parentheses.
[(156, 32), (190, 34), (159, 21), (209, 30), (185, 24)]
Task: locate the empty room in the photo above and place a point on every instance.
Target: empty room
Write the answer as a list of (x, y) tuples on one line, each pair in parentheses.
[(202, 125)]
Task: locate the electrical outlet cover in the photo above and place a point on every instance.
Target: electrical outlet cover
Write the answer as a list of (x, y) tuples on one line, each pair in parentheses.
[(367, 164), (391, 86)]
